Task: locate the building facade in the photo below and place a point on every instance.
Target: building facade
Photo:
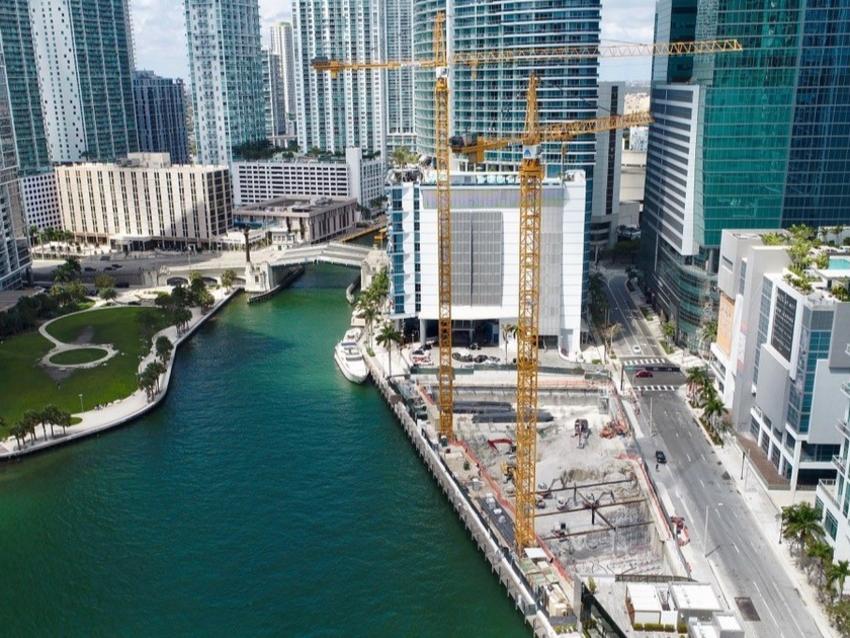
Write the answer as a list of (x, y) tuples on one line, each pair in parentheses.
[(14, 246), (771, 128), (485, 257), (491, 99), (352, 176), (335, 113), (273, 96), (161, 116), (832, 497), (40, 201), (606, 182), (398, 45), (16, 42), (283, 46), (84, 56), (781, 356), (293, 220), (226, 64), (145, 202)]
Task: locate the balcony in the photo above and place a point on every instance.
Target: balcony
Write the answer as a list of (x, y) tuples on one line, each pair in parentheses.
[(845, 387), (827, 488), (838, 462), (843, 427)]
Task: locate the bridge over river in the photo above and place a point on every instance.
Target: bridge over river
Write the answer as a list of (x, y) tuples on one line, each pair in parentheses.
[(269, 265)]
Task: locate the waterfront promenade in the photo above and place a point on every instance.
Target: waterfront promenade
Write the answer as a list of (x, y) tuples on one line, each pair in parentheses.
[(122, 411)]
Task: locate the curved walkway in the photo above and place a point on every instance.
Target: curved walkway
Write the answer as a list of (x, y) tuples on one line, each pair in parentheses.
[(61, 346), (124, 410)]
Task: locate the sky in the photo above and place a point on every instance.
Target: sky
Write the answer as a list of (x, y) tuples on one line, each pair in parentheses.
[(159, 31)]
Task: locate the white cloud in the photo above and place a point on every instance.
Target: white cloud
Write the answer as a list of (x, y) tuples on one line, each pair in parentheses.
[(160, 34)]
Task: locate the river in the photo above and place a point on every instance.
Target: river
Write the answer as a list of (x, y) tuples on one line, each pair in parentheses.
[(267, 496)]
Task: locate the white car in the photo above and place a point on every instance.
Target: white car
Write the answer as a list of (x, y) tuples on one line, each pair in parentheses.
[(636, 349)]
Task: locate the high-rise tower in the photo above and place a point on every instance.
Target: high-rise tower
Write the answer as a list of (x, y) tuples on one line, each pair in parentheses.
[(84, 56), (347, 110), (225, 60), (758, 139)]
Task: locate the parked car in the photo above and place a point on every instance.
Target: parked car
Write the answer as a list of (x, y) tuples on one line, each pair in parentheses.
[(561, 503), (636, 349), (660, 457), (643, 374), (474, 346)]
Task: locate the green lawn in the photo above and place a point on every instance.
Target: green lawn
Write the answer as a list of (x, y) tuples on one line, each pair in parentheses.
[(26, 385), (80, 355)]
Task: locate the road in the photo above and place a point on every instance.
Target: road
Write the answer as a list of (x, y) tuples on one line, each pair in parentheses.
[(734, 548)]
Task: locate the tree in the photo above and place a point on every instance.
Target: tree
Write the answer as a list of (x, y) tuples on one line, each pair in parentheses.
[(156, 369), (68, 271), (369, 314), (107, 294), (228, 278), (102, 280), (77, 291), (836, 574), (206, 300), (697, 378), (181, 317), (53, 416), (668, 329), (20, 431), (713, 409), (508, 330), (402, 156), (821, 553), (801, 524), (387, 337), (608, 333), (146, 382), (163, 347)]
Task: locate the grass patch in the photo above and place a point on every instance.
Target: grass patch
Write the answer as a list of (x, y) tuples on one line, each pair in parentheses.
[(80, 355), (27, 385)]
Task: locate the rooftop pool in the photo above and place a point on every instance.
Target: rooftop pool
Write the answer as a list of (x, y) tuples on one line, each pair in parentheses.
[(839, 263)]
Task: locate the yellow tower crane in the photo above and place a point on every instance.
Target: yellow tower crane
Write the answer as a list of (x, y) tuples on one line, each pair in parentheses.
[(530, 200)]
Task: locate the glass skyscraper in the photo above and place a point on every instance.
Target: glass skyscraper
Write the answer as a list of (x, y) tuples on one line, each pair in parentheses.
[(22, 74), (84, 55), (226, 64), (769, 145), (14, 247)]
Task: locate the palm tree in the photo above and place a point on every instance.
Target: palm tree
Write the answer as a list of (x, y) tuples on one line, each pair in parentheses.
[(369, 314), (52, 415), (801, 523), (387, 337), (837, 573), (163, 348), (696, 376), (712, 409), (821, 553), (34, 418), (508, 330), (20, 431)]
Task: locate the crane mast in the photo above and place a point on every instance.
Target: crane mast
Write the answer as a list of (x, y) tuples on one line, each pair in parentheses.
[(442, 156)]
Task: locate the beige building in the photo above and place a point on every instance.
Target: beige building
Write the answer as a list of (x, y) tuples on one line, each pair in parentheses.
[(294, 220), (145, 202)]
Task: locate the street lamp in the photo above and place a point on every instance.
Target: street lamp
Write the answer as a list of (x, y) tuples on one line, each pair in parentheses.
[(81, 402)]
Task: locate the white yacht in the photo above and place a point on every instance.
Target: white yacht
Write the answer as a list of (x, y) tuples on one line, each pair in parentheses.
[(348, 358)]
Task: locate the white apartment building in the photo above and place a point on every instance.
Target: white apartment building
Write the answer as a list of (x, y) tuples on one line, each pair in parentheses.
[(144, 202), (781, 356), (280, 36), (485, 256), (351, 176), (41, 201), (335, 113), (832, 497)]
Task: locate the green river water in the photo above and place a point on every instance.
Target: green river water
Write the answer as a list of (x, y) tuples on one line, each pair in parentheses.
[(267, 496)]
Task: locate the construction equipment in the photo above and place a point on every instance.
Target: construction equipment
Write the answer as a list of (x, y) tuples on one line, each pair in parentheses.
[(474, 59), (531, 177), (442, 158)]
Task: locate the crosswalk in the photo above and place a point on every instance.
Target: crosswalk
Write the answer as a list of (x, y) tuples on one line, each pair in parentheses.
[(656, 388), (648, 361)]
